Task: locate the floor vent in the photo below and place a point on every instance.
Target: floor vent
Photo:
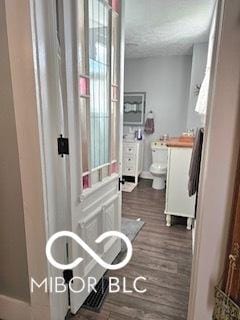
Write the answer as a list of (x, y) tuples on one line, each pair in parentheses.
[(95, 300)]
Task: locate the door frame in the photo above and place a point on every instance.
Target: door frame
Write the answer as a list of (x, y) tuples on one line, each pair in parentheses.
[(219, 164), (22, 42)]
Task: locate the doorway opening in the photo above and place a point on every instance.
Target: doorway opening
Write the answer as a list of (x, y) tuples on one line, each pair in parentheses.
[(165, 104), (138, 129), (80, 188), (166, 81)]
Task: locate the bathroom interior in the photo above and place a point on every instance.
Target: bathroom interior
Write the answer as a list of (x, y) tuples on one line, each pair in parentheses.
[(165, 103)]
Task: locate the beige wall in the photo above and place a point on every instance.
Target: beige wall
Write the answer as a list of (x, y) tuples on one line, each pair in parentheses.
[(21, 56), (13, 266), (220, 158)]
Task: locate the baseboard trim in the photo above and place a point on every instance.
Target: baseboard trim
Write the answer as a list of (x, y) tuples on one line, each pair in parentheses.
[(146, 175), (13, 309)]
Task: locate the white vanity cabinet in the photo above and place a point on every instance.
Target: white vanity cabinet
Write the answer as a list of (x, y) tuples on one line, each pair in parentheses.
[(132, 159), (178, 202)]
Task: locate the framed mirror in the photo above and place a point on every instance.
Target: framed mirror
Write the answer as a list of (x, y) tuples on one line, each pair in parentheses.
[(134, 108)]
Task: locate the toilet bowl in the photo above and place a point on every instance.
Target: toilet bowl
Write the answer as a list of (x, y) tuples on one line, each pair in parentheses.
[(158, 168)]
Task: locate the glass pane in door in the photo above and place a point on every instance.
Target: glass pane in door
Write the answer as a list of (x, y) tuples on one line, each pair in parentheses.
[(114, 131), (81, 36), (114, 91), (84, 132), (115, 48), (99, 53), (83, 87)]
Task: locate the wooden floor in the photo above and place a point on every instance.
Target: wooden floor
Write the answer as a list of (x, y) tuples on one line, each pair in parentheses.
[(161, 254)]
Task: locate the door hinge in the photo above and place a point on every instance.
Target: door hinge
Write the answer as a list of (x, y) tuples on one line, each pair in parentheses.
[(67, 275), (63, 146)]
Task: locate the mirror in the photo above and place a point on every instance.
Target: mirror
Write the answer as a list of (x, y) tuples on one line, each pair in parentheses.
[(134, 108)]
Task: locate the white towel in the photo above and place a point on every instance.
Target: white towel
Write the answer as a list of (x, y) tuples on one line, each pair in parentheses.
[(202, 102)]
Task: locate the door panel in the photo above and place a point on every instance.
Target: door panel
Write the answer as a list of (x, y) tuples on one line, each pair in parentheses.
[(94, 168), (98, 212)]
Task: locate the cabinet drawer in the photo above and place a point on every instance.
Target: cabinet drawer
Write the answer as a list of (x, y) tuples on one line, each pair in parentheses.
[(128, 149), (127, 171), (129, 160)]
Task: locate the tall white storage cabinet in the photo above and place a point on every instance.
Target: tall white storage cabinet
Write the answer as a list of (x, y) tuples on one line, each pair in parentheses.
[(132, 159), (178, 202)]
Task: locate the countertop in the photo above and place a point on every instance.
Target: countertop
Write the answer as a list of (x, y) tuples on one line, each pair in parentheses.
[(180, 142)]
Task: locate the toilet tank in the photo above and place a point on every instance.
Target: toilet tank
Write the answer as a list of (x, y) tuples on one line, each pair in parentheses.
[(159, 152)]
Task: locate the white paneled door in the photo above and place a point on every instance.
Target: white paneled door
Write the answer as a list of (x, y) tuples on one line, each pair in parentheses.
[(91, 45)]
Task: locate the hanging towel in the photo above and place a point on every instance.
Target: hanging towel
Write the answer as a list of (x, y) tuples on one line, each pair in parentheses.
[(195, 165), (149, 124), (202, 102)]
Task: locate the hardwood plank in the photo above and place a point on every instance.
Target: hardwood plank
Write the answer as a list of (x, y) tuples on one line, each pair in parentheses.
[(162, 255), (84, 314), (143, 306), (162, 279)]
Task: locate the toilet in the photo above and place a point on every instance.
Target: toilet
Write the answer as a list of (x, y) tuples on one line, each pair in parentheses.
[(159, 166)]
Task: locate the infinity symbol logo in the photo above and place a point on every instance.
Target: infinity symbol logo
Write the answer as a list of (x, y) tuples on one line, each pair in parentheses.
[(83, 244)]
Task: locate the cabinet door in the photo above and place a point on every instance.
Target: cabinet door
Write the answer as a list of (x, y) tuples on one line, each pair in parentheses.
[(178, 201)]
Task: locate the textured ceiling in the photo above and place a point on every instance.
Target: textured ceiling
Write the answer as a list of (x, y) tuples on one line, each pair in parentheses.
[(166, 27)]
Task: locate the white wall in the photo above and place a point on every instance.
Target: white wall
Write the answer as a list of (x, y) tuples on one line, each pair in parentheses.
[(166, 81), (25, 102), (199, 61)]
